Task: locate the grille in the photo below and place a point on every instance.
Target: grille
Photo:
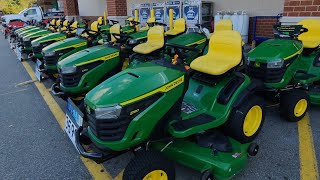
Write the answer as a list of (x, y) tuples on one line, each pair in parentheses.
[(73, 79), (108, 129), (27, 43), (37, 50), (115, 129), (53, 60), (265, 74), (70, 79)]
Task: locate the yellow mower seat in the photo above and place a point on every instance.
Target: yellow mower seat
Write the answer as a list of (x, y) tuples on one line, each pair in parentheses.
[(155, 41), (225, 53), (224, 24), (115, 29), (94, 28), (66, 23), (310, 39), (150, 20), (128, 21), (100, 20), (179, 27), (53, 22)]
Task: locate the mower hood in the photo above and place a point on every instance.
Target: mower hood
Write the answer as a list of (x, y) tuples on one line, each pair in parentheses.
[(274, 50), (88, 56), (25, 28), (132, 85), (105, 28), (50, 37), (38, 34), (28, 31), (65, 44), (188, 39)]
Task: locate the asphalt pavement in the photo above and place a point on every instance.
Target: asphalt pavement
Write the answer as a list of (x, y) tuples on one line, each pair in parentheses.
[(33, 145)]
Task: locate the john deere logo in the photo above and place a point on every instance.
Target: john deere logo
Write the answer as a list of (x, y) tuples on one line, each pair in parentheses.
[(257, 64)]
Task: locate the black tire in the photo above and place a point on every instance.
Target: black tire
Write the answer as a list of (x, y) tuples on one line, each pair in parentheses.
[(207, 175), (145, 162), (253, 149), (288, 102), (234, 126)]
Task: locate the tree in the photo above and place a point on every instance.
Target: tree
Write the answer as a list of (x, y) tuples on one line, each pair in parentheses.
[(15, 6)]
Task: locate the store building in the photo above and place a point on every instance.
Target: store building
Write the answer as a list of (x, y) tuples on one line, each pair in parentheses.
[(264, 13)]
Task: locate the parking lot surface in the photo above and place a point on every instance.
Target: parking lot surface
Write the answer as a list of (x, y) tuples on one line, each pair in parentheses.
[(34, 146)]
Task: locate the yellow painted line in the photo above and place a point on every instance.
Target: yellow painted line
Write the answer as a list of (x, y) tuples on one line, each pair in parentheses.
[(308, 160), (119, 177), (97, 171)]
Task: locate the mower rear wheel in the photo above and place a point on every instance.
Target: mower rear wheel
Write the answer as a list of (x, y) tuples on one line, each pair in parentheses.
[(294, 105), (149, 165), (246, 120)]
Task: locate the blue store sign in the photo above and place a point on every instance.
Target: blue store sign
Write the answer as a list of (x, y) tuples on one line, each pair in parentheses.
[(159, 12), (176, 6), (144, 13), (191, 12)]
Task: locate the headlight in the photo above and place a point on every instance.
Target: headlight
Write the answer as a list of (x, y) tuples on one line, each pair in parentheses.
[(26, 39), (35, 44), (49, 53), (68, 70), (275, 64), (249, 60), (132, 41), (108, 113)]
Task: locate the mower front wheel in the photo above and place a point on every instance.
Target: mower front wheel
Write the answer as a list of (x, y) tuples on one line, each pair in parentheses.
[(149, 165), (246, 120), (294, 104)]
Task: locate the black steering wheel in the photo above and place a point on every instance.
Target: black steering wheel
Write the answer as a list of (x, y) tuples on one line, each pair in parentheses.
[(120, 37), (114, 22), (135, 23), (160, 24), (180, 49)]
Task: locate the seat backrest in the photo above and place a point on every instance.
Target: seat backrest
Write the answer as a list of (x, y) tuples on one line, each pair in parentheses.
[(226, 44), (128, 21), (224, 24), (180, 25), (115, 29), (95, 26), (75, 25), (53, 22), (100, 20), (58, 23), (151, 20), (156, 35), (313, 26), (65, 23)]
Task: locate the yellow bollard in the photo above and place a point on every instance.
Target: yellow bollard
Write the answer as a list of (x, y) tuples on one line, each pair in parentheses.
[(136, 18), (152, 13), (105, 17), (171, 19)]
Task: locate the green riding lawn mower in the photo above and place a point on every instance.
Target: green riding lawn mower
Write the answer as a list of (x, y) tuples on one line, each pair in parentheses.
[(53, 26), (68, 30), (24, 48), (57, 51), (81, 72), (204, 116), (289, 66)]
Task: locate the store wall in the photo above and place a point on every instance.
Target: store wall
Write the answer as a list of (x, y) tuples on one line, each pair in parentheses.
[(253, 7), (92, 8), (302, 8)]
